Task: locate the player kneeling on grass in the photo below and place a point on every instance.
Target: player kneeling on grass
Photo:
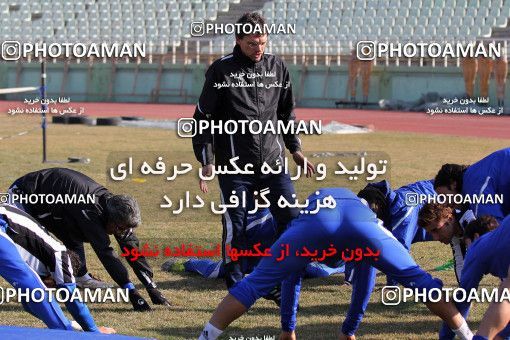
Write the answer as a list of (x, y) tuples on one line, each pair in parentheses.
[(487, 254), (83, 221), (20, 233), (348, 223)]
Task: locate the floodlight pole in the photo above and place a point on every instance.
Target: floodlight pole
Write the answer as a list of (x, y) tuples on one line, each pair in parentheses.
[(44, 107)]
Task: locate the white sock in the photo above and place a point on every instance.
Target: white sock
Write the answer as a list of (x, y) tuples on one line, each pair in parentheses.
[(463, 332), (210, 332), (76, 326)]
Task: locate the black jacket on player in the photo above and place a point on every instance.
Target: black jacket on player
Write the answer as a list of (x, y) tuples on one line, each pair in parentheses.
[(250, 102), (83, 222)]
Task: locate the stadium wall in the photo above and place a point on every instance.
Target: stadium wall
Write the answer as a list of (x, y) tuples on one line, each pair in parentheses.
[(315, 86)]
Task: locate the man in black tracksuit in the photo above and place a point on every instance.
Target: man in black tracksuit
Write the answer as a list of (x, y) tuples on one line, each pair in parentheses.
[(92, 222), (248, 103)]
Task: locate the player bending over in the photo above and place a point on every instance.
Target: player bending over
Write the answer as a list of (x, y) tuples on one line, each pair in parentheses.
[(350, 224)]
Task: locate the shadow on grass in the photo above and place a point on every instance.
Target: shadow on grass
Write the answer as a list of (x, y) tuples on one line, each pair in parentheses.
[(190, 281), (327, 330), (341, 308), (194, 332), (12, 308)]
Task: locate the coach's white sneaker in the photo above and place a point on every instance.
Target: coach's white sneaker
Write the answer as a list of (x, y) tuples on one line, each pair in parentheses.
[(88, 281)]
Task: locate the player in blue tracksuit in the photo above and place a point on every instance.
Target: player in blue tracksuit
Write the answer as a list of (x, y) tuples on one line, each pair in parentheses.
[(349, 224), (402, 216), (33, 241), (261, 227), (15, 271), (485, 256), (365, 276), (488, 176), (397, 214)]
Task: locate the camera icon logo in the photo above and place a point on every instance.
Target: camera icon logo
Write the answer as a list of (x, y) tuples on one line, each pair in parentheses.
[(11, 50), (197, 29), (186, 127), (391, 295), (4, 198), (365, 50), (411, 199)]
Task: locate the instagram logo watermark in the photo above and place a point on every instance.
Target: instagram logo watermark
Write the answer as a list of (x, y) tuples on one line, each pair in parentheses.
[(199, 28), (413, 199), (391, 295), (11, 50), (394, 295), (4, 198), (63, 295), (186, 128), (365, 50), (189, 127), (14, 50), (370, 50)]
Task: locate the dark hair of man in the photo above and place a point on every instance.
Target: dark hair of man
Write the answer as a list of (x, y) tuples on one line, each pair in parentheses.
[(433, 213), (252, 19), (480, 226), (450, 174), (376, 201)]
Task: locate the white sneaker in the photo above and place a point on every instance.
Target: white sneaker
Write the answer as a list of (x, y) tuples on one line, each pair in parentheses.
[(88, 281), (76, 326)]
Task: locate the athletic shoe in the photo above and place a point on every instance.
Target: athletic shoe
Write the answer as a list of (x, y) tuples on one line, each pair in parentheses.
[(168, 265), (76, 326), (275, 295), (174, 265), (89, 281)]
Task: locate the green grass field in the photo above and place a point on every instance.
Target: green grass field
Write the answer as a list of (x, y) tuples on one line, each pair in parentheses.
[(324, 302)]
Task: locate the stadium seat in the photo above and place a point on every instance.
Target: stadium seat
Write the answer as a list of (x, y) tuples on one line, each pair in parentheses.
[(419, 32), (473, 3), (501, 21), (400, 21), (445, 21), (441, 33), (426, 4), (486, 31), (449, 3), (465, 32), (448, 12)]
